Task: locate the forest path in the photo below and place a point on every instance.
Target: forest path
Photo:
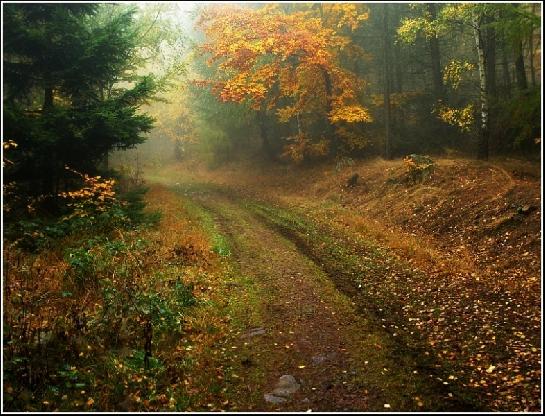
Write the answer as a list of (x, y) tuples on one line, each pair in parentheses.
[(300, 324)]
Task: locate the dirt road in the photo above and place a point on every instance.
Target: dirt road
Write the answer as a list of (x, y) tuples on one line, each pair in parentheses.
[(336, 354)]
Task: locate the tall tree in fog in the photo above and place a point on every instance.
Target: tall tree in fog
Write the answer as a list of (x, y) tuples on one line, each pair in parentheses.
[(387, 83), (286, 63), (71, 90)]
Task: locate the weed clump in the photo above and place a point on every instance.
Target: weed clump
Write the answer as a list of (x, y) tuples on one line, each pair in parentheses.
[(419, 168)]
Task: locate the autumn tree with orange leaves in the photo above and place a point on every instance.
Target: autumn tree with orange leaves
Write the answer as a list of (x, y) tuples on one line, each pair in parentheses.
[(287, 63)]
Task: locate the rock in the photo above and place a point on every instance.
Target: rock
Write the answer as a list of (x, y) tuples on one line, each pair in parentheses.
[(285, 391), (254, 332), (318, 359), (286, 386), (269, 398), (321, 358), (286, 380)]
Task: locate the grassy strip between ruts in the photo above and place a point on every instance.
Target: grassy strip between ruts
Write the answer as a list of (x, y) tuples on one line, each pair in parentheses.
[(486, 328), (237, 302), (377, 282)]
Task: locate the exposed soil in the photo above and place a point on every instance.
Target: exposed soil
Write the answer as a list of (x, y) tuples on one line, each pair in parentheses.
[(459, 268), (341, 358)]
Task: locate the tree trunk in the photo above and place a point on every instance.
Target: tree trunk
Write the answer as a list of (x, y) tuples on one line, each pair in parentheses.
[(399, 70), (520, 71), (267, 148), (48, 95), (491, 61), (505, 71), (532, 68), (50, 174), (531, 47), (398, 120), (329, 106), (387, 83), (482, 151), (435, 55)]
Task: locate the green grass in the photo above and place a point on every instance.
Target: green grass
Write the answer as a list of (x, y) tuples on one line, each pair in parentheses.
[(363, 271), (219, 242), (244, 298)]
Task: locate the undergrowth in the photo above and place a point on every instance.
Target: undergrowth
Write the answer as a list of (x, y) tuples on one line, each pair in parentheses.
[(131, 315), (220, 245)]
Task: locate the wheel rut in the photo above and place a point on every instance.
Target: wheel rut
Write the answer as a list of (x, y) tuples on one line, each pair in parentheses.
[(338, 359)]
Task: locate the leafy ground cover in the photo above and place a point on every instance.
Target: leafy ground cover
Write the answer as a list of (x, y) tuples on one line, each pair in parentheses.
[(244, 281), (124, 320), (452, 262)]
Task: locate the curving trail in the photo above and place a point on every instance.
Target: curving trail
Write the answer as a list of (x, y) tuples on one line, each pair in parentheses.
[(340, 358)]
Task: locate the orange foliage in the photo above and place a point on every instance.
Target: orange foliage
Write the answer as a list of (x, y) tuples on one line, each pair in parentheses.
[(348, 15), (266, 54), (96, 195), (301, 146)]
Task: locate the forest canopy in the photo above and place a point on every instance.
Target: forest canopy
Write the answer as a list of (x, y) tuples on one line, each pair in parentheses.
[(348, 80), (175, 174), (302, 81)]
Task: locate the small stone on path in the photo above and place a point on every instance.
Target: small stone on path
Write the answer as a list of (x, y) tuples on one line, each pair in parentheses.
[(254, 332), (273, 399), (318, 359), (286, 386)]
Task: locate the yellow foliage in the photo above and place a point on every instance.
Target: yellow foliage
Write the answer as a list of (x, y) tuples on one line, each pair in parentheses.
[(350, 114), (350, 15), (9, 144), (302, 146), (96, 195), (463, 118), (453, 71), (285, 114), (352, 139)]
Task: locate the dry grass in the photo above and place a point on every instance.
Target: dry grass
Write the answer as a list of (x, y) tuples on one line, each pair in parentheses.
[(472, 231), (60, 329), (457, 216)]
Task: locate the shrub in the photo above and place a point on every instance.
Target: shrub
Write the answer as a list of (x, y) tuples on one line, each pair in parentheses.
[(419, 167), (82, 264), (133, 207), (516, 124)]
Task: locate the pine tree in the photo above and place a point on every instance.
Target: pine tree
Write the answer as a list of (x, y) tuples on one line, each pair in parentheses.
[(71, 89)]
